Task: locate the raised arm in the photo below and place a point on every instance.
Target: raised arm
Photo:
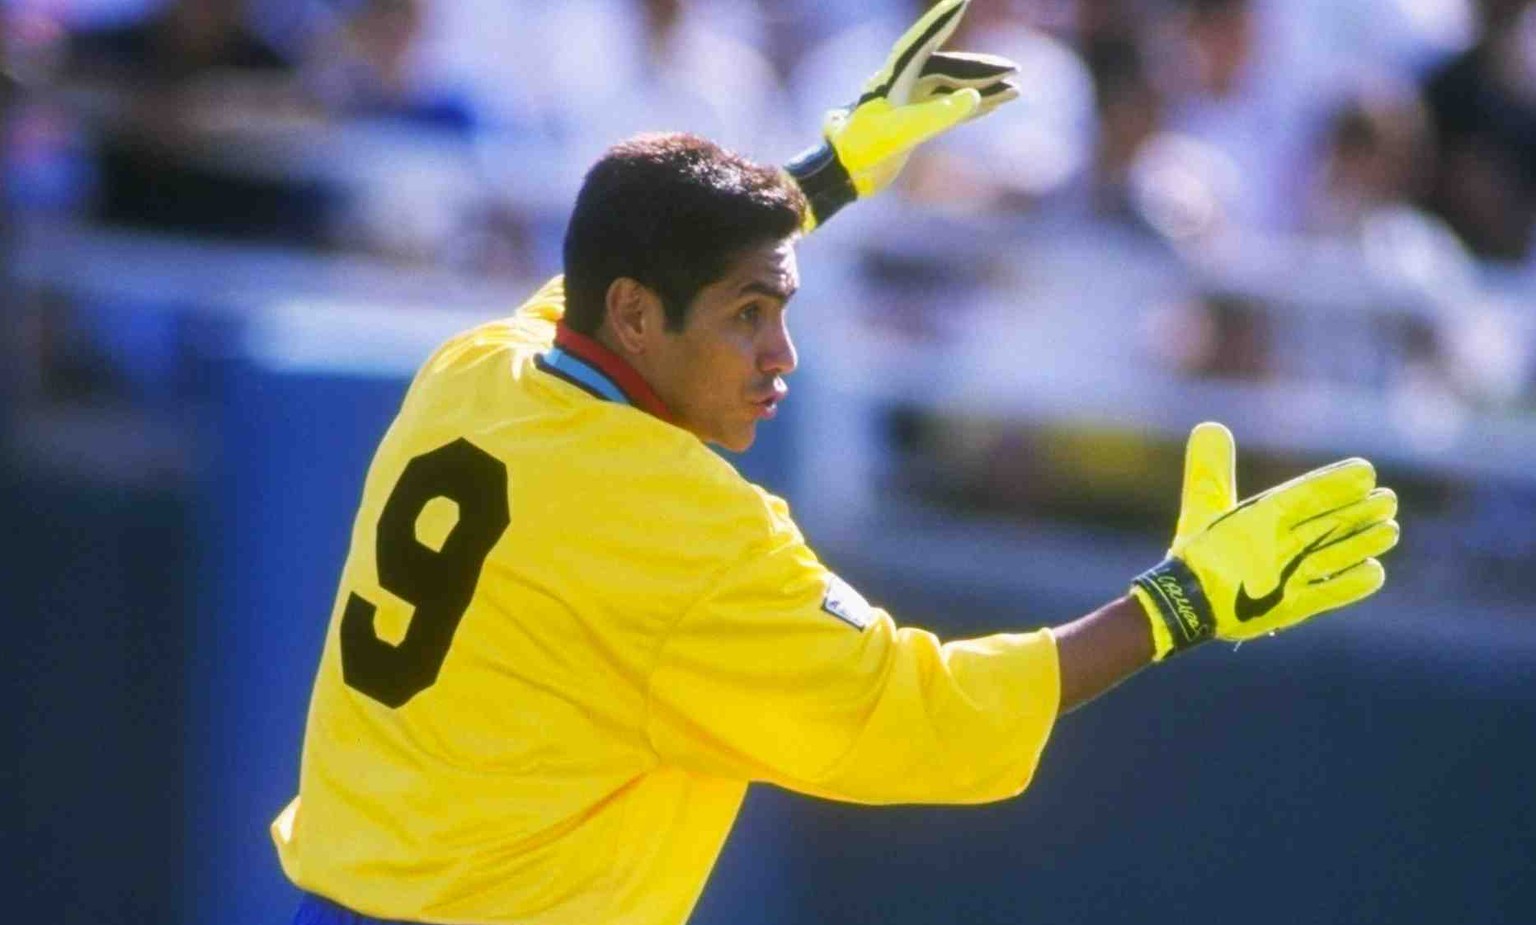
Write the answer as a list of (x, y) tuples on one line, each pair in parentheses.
[(918, 94)]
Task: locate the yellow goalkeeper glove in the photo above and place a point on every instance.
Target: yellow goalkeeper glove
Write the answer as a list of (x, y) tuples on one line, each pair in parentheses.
[(919, 93), (1237, 571)]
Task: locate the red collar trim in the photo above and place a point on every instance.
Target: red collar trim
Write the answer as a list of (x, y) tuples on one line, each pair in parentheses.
[(615, 367)]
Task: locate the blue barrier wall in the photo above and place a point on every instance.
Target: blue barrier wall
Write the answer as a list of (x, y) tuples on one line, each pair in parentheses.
[(274, 514), (92, 599)]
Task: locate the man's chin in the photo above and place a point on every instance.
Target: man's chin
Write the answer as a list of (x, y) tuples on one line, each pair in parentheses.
[(738, 442)]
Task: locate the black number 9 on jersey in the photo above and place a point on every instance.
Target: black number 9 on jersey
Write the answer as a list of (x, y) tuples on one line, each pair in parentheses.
[(438, 583)]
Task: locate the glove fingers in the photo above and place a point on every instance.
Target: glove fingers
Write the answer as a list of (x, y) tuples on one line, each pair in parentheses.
[(1353, 584), (967, 69), (936, 85), (929, 87), (993, 95), (1338, 557), (1325, 489), (1379, 505), (911, 51), (1210, 478)]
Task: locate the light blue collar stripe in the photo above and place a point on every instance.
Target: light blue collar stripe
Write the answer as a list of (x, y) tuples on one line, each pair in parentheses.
[(579, 370)]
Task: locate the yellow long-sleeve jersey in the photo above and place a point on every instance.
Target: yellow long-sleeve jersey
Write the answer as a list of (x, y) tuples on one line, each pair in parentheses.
[(568, 635)]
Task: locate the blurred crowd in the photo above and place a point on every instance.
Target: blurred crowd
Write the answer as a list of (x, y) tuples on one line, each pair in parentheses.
[(1321, 116), (454, 133)]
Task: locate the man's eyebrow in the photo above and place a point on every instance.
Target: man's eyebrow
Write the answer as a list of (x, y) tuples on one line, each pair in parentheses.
[(771, 291)]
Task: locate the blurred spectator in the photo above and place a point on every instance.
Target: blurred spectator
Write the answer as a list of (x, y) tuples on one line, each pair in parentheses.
[(30, 43), (12, 356), (183, 40), (586, 73), (1372, 166), (836, 64), (1129, 107), (1220, 39), (1107, 20), (1032, 147), (173, 95), (1215, 335), (1246, 97), (1404, 36), (404, 131), (1484, 108), (567, 80), (1207, 65), (1374, 155), (794, 27), (367, 66), (10, 86)]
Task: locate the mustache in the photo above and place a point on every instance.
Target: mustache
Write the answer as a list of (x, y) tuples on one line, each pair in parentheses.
[(774, 388)]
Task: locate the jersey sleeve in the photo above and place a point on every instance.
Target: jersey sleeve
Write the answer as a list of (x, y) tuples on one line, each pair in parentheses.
[(783, 674)]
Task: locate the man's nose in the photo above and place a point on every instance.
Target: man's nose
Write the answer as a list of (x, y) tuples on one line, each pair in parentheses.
[(779, 357)]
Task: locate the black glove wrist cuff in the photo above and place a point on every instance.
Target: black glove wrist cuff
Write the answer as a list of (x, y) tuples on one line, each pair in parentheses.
[(1180, 602), (824, 181)]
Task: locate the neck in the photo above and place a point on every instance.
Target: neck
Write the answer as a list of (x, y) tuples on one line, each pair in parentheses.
[(602, 352), (604, 335)]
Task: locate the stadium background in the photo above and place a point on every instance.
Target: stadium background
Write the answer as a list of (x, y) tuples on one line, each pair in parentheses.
[(225, 246)]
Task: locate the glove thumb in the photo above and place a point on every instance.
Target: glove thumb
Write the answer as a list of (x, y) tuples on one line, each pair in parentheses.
[(1210, 478)]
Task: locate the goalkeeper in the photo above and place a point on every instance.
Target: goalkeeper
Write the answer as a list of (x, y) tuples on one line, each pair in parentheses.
[(567, 635)]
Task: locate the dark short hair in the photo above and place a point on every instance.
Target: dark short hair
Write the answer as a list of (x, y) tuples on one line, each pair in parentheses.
[(669, 211)]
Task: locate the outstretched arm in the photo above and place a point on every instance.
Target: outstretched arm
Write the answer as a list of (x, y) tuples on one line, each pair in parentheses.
[(783, 673), (1098, 651)]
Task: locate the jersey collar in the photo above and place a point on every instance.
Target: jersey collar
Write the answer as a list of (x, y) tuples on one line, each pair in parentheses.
[(598, 371)]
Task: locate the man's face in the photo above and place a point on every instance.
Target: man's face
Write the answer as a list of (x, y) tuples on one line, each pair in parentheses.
[(724, 371)]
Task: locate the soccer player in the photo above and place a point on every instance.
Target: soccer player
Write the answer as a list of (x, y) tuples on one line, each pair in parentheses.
[(568, 635)]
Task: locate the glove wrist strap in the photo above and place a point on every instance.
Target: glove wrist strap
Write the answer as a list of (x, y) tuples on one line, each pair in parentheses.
[(1181, 614), (824, 181), (1162, 640)]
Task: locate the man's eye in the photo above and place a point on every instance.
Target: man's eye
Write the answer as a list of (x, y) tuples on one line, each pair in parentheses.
[(750, 314)]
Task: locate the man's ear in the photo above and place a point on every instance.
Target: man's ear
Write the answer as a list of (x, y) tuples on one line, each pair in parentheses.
[(633, 313)]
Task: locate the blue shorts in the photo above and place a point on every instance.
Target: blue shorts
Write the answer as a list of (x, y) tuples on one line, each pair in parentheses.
[(317, 910)]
